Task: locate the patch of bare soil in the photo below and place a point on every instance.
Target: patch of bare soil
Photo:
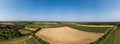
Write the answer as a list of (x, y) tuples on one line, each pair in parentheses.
[(32, 29), (67, 35)]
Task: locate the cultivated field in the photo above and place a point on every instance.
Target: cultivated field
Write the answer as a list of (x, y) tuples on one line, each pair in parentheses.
[(67, 35), (91, 29), (58, 33), (111, 39), (96, 25)]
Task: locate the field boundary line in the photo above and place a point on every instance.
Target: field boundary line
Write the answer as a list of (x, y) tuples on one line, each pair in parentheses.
[(116, 40), (102, 42)]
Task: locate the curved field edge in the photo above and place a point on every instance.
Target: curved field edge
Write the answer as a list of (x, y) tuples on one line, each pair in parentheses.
[(108, 38)]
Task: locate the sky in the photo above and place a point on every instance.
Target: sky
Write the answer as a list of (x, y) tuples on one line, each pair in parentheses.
[(60, 10)]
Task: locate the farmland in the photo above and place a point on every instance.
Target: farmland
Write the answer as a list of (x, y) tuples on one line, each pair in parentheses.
[(111, 38), (45, 25), (67, 35), (31, 41), (91, 29), (35, 33)]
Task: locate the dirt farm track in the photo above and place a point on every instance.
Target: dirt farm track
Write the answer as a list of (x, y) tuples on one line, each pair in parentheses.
[(67, 35)]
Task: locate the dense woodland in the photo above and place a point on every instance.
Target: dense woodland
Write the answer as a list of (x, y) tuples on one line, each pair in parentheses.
[(10, 31)]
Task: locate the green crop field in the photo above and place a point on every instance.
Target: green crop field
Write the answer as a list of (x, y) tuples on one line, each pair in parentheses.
[(24, 31), (35, 40), (45, 25), (111, 38), (91, 29), (84, 28), (31, 41)]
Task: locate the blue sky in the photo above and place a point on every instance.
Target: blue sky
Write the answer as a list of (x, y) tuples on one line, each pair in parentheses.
[(60, 10)]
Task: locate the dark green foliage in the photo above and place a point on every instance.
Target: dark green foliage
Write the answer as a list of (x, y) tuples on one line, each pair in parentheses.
[(10, 31), (23, 23)]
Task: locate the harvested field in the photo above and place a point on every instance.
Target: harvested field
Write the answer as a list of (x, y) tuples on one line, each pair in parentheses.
[(67, 35)]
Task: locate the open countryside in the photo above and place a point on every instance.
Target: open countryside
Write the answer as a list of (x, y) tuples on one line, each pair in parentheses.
[(59, 21), (58, 33)]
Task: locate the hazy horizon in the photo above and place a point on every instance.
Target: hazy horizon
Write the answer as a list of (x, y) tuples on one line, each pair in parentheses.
[(60, 10)]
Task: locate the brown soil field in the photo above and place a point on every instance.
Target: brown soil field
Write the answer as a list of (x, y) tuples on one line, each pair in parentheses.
[(67, 35)]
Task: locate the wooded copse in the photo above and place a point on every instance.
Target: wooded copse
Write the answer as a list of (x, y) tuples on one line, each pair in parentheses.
[(10, 31)]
